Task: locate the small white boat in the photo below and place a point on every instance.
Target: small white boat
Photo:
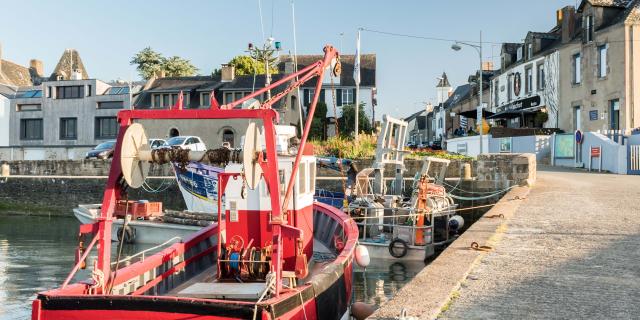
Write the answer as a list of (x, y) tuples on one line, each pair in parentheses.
[(138, 231)]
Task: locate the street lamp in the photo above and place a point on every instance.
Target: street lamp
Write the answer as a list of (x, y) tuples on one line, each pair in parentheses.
[(457, 46)]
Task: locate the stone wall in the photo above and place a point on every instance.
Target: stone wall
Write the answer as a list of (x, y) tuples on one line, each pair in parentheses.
[(73, 168), (511, 168)]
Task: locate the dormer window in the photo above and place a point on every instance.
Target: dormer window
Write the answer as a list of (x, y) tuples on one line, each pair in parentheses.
[(588, 28), (529, 51), (519, 54)]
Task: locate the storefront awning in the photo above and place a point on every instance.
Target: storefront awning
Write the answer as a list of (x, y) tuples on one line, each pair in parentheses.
[(473, 113), (509, 114), (519, 108)]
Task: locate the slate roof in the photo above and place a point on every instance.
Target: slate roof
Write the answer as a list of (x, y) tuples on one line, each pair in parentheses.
[(510, 48), (184, 83), (14, 74), (459, 94), (415, 115), (69, 61), (246, 82), (7, 91), (606, 3), (367, 68)]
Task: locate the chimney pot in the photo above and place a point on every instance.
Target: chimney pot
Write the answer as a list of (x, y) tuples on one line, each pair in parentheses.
[(37, 67)]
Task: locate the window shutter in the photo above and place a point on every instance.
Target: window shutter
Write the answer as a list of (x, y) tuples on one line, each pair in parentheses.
[(306, 97), (321, 98), (353, 96), (339, 97)]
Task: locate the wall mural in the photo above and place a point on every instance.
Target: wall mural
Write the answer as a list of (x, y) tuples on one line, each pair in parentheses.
[(551, 88)]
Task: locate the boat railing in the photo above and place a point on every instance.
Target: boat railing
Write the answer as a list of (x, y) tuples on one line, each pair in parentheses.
[(402, 223), (143, 252)]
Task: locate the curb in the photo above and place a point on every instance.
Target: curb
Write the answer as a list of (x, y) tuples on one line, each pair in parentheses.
[(436, 286)]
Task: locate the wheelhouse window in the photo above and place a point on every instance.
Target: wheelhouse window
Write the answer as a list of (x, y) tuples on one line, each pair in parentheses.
[(68, 128), (602, 61), (69, 92), (31, 129), (106, 128), (302, 181)]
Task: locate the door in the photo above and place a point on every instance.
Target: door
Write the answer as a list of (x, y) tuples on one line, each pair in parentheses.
[(577, 121), (614, 109)]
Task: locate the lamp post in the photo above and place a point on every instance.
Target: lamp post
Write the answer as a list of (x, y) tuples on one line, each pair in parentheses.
[(457, 47)]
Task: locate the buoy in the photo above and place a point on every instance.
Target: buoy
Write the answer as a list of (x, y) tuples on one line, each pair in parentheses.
[(456, 222), (361, 310), (362, 256)]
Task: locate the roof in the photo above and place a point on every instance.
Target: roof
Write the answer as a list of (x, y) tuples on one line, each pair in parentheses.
[(413, 116), (7, 91), (459, 94), (184, 83), (246, 82), (367, 68), (511, 48), (444, 81), (69, 61), (606, 3), (14, 74)]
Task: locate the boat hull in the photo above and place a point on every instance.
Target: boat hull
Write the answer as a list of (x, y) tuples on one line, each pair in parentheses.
[(381, 251), (146, 232), (143, 289)]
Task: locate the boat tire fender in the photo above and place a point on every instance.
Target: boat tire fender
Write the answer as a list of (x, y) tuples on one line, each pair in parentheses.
[(129, 235), (398, 254)]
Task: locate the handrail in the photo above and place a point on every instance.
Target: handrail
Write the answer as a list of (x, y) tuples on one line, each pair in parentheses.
[(82, 258), (146, 250)]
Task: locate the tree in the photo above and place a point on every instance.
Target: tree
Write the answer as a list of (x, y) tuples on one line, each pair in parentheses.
[(245, 65), (347, 122), (151, 62), (178, 67), (317, 130)]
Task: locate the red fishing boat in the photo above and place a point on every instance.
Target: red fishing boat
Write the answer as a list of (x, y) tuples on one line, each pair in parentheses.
[(274, 253)]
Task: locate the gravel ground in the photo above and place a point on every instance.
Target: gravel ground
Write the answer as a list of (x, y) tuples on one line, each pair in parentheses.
[(571, 251)]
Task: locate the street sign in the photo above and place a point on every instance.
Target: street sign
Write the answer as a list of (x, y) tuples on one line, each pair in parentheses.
[(579, 137), (595, 152)]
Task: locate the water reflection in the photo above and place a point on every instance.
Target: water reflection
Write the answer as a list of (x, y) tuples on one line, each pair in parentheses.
[(383, 279)]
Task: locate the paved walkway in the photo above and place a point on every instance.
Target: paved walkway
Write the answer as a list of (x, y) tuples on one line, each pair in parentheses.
[(571, 251)]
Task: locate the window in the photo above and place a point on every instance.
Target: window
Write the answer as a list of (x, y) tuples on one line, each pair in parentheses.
[(157, 101), (302, 181), (347, 96), (68, 128), (31, 129), (588, 29), (440, 123), (509, 87), (205, 98), (110, 105), (31, 94), (541, 75), (227, 136), (519, 53), (496, 92), (528, 85), (228, 97), (614, 108), (29, 107), (69, 92), (118, 90), (88, 90), (577, 66), (49, 92), (165, 100), (312, 177), (577, 125), (106, 127), (529, 50), (602, 61)]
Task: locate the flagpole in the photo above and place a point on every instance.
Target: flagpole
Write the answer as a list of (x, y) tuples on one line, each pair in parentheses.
[(357, 80)]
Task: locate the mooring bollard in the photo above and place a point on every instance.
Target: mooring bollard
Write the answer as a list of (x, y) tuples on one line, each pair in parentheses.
[(6, 170), (467, 171)]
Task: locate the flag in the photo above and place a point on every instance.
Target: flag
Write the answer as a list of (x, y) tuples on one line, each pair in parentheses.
[(356, 65), (213, 102), (178, 105)]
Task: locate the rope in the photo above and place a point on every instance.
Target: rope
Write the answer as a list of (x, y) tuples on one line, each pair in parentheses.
[(481, 197), (270, 280), (121, 242)]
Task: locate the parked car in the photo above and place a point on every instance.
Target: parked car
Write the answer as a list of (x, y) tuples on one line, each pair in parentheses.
[(186, 142), (412, 145), (436, 145), (102, 151), (422, 145), (156, 143)]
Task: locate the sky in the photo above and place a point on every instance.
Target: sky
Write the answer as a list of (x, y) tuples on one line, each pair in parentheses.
[(108, 33)]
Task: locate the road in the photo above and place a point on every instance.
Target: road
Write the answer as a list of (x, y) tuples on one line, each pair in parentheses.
[(571, 251)]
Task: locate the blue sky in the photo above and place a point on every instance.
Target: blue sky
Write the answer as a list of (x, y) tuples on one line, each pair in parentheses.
[(108, 33)]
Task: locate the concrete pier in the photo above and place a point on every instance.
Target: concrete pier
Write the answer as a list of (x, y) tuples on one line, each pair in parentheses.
[(568, 251)]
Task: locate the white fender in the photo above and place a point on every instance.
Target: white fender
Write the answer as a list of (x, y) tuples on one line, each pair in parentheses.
[(362, 256)]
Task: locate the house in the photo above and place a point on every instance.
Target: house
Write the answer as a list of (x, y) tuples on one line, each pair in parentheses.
[(163, 93), (63, 115), (599, 65), (443, 91), (341, 91)]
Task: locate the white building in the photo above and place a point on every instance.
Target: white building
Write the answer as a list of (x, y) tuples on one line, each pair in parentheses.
[(526, 86)]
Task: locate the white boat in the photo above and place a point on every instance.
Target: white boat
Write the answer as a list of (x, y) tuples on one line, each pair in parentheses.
[(143, 231)]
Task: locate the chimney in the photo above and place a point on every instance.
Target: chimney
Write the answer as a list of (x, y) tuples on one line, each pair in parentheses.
[(566, 19), (37, 67), (487, 66), (228, 73), (76, 75), (159, 74)]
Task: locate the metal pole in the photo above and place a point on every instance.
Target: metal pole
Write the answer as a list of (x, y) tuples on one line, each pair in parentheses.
[(479, 111), (357, 101)]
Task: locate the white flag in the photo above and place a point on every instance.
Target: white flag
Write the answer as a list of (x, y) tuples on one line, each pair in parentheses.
[(356, 65)]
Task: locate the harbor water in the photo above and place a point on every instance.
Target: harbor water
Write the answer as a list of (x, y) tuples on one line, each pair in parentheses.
[(37, 253)]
